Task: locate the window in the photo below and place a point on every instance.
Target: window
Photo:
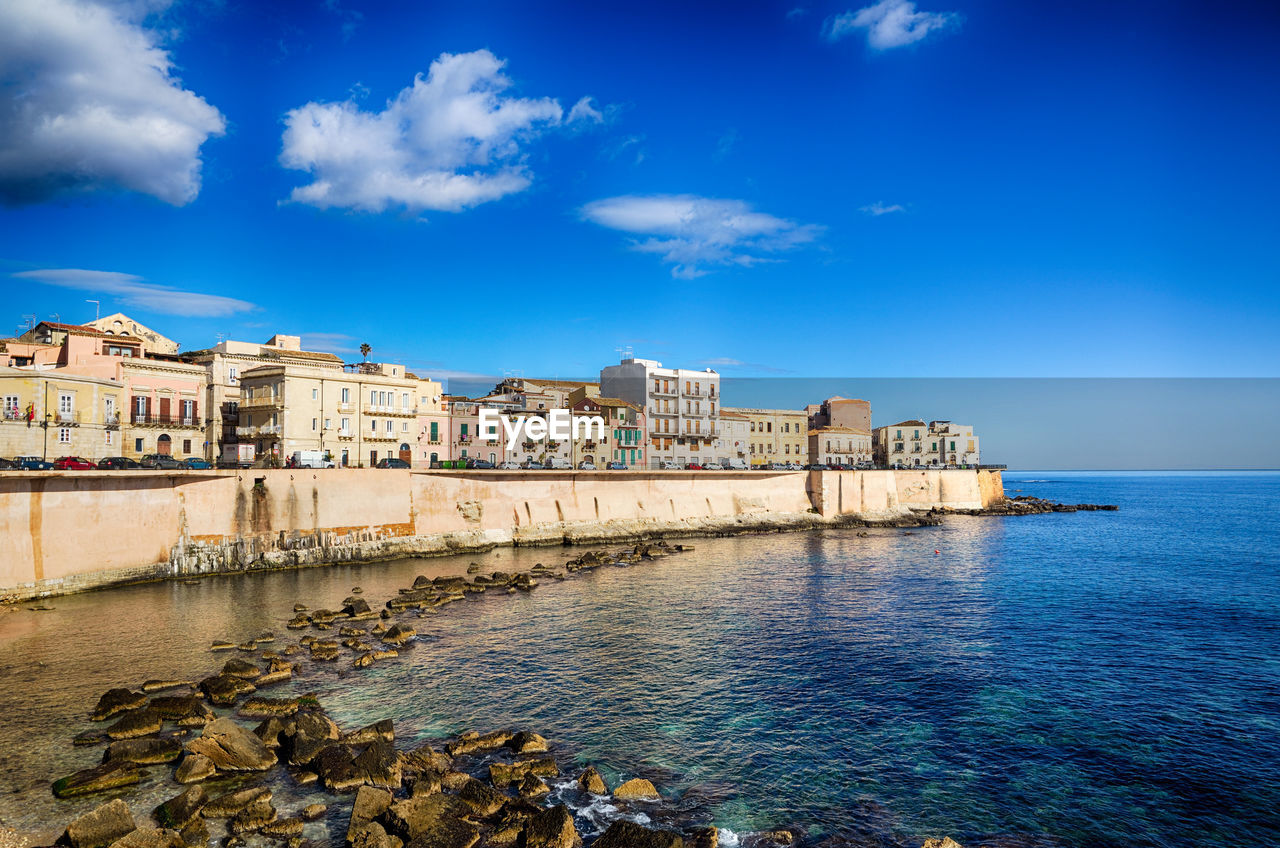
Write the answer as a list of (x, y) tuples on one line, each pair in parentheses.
[(109, 409), (233, 374), (66, 403), (373, 424), (404, 426), (188, 411), (390, 426), (435, 431), (346, 429), (137, 445), (953, 445), (315, 394), (315, 424), (11, 406), (328, 424), (64, 435), (346, 395), (186, 446), (404, 400), (110, 437)]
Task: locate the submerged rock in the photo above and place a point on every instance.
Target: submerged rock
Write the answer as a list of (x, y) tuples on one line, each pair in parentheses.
[(101, 827), (131, 725), (504, 774), (628, 834), (143, 751), (226, 806), (151, 837), (527, 742), (180, 810), (117, 701), (194, 768), (110, 775), (232, 748)]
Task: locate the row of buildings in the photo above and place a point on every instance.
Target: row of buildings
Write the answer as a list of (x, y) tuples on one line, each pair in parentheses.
[(114, 387)]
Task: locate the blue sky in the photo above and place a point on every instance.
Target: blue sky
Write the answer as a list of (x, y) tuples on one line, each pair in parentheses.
[(928, 189)]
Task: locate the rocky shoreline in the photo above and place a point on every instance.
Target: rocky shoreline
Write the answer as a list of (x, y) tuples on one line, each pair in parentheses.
[(1026, 505), (221, 740)]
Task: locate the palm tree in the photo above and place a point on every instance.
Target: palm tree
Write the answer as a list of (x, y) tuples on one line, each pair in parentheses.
[(365, 350)]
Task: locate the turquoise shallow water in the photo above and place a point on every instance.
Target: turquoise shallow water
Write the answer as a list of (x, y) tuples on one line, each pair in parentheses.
[(1076, 679)]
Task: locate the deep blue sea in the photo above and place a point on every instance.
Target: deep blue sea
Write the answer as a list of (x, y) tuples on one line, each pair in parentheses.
[(1083, 679)]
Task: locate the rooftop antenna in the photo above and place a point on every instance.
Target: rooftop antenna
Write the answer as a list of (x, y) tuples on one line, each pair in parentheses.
[(57, 318), (97, 309), (625, 352)]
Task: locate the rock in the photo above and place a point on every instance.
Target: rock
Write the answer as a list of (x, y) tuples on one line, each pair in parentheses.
[(253, 817), (106, 776), (358, 608), (273, 728), (550, 828), (311, 812), (145, 752), (180, 810), (384, 655), (362, 661), (945, 842), (90, 737), (313, 730), (592, 781), (533, 787), (299, 607), (223, 689), (432, 821), (628, 834), (267, 707), (421, 581), (370, 803), (196, 833), (398, 634), (162, 685), (527, 742), (223, 646), (283, 827), (131, 725), (226, 806), (483, 800), (470, 742), (150, 837), (340, 768), (774, 837), (637, 788), (117, 701), (453, 780), (704, 837), (502, 774), (383, 730), (101, 827), (194, 768), (242, 669), (232, 748), (371, 835), (180, 708)]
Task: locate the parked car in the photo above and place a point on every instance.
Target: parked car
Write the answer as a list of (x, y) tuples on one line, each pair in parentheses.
[(477, 464), (838, 466), (586, 466), (736, 464), (693, 466), (32, 463), (7, 464), (116, 463), (669, 466), (713, 466), (775, 466), (73, 463), (617, 466), (817, 466), (391, 462), (195, 463), (531, 465), (794, 466), (160, 461), (508, 465)]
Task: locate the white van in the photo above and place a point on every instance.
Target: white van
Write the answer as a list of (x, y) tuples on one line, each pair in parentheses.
[(559, 464), (736, 464), (311, 459)]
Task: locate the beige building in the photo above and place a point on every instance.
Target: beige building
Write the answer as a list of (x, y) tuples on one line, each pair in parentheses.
[(355, 414), (950, 444), (912, 443), (50, 414), (839, 446), (734, 444), (900, 444), (122, 325), (224, 364), (840, 412), (776, 435)]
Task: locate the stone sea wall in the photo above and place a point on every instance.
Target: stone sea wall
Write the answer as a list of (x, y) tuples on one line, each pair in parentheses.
[(71, 531)]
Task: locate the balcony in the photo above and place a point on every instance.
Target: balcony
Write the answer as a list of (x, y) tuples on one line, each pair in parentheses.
[(142, 419), (112, 421), (345, 435), (267, 402), (373, 409), (14, 414), (384, 437), (663, 393), (346, 407), (67, 419), (265, 431)]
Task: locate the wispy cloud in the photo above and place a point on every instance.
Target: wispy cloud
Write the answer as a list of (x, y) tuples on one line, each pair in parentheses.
[(88, 101), (725, 145), (630, 145), (797, 12), (691, 232), (889, 24), (585, 112), (721, 363), (880, 208), (137, 292), (449, 141), (330, 342), (350, 18)]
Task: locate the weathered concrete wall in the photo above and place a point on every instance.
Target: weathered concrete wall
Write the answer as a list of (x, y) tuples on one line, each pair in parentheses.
[(64, 532)]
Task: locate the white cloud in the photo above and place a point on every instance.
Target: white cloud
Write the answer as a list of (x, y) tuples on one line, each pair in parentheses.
[(447, 142), (691, 232), (88, 101), (135, 291), (583, 110), (880, 208), (890, 23)]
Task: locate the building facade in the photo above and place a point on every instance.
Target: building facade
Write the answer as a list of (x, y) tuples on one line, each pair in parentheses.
[(913, 443), (50, 414), (839, 446), (681, 408), (775, 435), (951, 444)]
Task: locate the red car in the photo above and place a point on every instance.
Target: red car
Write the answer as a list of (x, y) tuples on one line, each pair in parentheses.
[(693, 466), (73, 463)]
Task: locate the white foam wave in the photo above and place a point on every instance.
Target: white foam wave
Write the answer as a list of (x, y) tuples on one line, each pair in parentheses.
[(728, 839)]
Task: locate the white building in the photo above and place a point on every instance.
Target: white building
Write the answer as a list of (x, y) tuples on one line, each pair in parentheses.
[(681, 406)]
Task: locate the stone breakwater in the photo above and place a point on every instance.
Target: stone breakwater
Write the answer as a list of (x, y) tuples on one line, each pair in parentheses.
[(1027, 505), (74, 531), (224, 745)]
